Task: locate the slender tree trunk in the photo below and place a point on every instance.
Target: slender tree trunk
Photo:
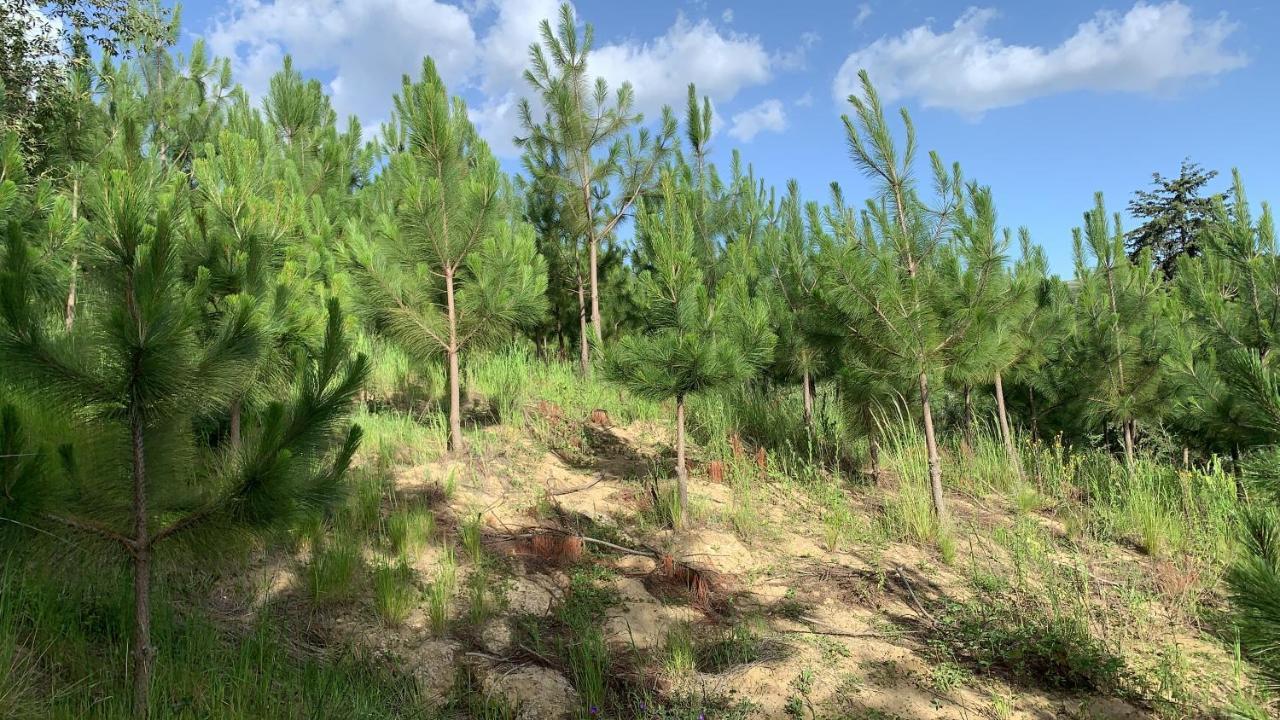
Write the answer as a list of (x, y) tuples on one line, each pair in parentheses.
[(968, 419), (1127, 428), (584, 347), (682, 473), (1035, 417), (873, 443), (143, 653), (595, 292), (235, 424), (1005, 433), (808, 403), (70, 312), (1236, 471), (1186, 458), (931, 444), (455, 388)]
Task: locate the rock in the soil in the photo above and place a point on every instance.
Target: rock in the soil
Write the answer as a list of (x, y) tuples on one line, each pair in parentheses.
[(432, 665), (495, 637), (538, 693)]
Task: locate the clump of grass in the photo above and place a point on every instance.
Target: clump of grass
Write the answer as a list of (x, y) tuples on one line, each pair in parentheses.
[(394, 594), (945, 540), (440, 592), (583, 646), (478, 600), (743, 516), (334, 569), (737, 645), (1154, 528), (1034, 644), (450, 484), (364, 507), (668, 509), (909, 514), (680, 653), (472, 533), (410, 529)]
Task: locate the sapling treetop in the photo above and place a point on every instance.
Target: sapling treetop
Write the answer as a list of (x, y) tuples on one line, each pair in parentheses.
[(685, 348)]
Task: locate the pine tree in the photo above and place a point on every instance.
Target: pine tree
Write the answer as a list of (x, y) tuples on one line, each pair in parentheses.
[(903, 287), (443, 271), (584, 146), (1254, 578), (789, 260), (683, 348), (1175, 214), (1121, 330), (1239, 256), (133, 374)]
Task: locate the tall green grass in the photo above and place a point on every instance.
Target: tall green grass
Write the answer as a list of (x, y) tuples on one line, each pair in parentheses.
[(65, 645)]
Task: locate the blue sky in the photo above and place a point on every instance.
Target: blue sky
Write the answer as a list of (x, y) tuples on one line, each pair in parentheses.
[(1045, 102)]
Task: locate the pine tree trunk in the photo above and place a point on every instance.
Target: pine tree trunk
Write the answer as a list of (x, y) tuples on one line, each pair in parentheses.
[(143, 653), (808, 403), (1005, 433), (595, 293), (1035, 417), (1236, 471), (682, 473), (968, 420), (873, 443), (931, 444), (1127, 427), (584, 347), (455, 388), (70, 311)]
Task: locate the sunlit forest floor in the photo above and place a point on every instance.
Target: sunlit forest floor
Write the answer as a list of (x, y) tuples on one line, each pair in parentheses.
[(537, 575)]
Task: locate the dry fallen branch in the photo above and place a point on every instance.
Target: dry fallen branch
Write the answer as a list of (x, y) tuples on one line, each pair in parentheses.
[(593, 483), (920, 608)]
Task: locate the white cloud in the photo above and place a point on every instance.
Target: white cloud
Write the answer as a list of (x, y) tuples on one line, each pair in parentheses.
[(504, 55), (727, 16), (864, 12), (720, 63), (481, 48), (1150, 48), (768, 116), (805, 100), (367, 45), (797, 58)]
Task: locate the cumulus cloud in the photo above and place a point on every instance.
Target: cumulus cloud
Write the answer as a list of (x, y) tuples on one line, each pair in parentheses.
[(720, 63), (1150, 48), (363, 47), (366, 45), (768, 116)]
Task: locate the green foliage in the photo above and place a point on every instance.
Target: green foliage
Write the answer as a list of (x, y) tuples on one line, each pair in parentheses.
[(441, 271), (1031, 644)]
